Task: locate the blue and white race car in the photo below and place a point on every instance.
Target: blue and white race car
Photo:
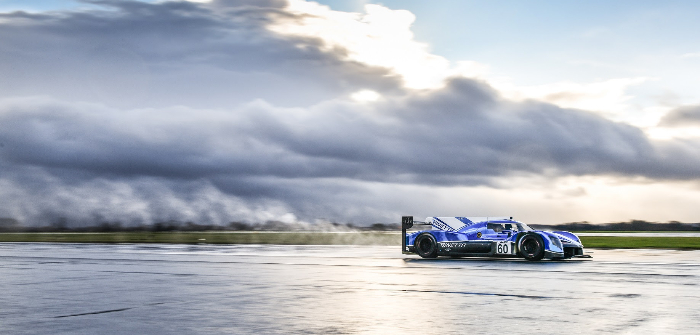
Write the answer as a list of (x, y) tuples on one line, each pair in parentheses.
[(487, 236)]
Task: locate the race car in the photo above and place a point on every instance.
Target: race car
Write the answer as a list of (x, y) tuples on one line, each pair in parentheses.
[(487, 236)]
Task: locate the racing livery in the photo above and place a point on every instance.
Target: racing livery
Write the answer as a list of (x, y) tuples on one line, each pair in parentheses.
[(487, 236)]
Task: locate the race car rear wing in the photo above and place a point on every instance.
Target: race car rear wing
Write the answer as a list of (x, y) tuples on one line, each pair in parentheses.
[(406, 224)]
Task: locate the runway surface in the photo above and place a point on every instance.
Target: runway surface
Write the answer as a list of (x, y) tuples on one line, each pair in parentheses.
[(249, 289)]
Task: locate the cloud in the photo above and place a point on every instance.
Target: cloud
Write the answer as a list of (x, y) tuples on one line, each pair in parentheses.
[(298, 159), (470, 132), (365, 96), (214, 112), (130, 53), (608, 98), (379, 37), (682, 116)]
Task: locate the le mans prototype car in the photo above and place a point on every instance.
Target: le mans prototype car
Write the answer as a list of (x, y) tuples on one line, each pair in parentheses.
[(487, 236)]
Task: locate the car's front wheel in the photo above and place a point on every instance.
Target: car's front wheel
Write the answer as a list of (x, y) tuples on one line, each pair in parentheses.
[(426, 246), (531, 247)]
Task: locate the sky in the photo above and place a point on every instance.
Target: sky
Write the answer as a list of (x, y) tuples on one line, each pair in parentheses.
[(348, 111)]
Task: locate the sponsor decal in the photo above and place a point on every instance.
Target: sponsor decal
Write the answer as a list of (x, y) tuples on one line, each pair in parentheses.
[(449, 223), (453, 244), (478, 235), (437, 223)]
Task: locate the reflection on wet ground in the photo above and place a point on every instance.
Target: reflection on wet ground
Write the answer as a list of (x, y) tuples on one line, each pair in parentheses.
[(247, 289)]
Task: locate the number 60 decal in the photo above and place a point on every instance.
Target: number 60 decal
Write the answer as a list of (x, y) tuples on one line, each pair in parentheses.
[(504, 247)]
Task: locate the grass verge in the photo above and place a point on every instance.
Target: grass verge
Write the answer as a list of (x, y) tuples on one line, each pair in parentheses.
[(636, 231), (634, 242)]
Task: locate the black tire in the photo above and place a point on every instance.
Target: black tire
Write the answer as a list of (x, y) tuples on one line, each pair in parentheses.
[(531, 246), (426, 246)]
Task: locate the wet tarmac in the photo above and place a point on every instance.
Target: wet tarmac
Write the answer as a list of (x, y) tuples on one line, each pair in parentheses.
[(248, 289)]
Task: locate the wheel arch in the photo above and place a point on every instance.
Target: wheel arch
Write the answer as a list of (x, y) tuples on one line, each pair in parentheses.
[(543, 239), (419, 248)]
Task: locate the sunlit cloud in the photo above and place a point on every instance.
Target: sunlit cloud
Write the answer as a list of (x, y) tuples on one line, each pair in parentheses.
[(379, 37), (664, 133), (382, 37), (680, 122), (608, 98), (365, 96)]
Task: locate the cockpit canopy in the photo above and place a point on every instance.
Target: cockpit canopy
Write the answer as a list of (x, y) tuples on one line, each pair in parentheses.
[(507, 226)]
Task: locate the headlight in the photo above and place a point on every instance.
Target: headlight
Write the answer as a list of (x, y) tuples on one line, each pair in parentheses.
[(556, 242)]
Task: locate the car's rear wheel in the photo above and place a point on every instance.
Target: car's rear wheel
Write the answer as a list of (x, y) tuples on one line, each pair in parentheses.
[(426, 246), (531, 247)]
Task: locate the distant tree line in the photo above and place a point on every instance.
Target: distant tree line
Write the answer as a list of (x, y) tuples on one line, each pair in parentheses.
[(632, 225), (63, 225)]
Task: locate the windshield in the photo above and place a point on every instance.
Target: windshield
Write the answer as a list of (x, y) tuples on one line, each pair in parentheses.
[(513, 226), (523, 227)]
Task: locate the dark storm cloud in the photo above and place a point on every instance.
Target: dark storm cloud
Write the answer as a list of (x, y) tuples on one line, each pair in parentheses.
[(309, 158), (205, 137), (162, 54), (461, 131), (682, 116)]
